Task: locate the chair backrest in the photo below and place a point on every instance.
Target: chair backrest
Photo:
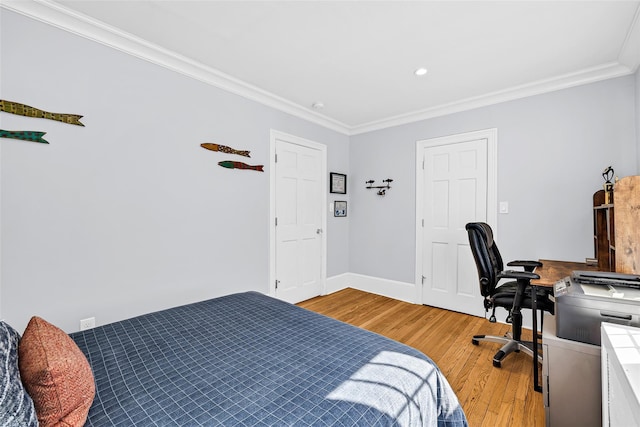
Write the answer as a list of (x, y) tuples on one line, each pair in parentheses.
[(485, 252)]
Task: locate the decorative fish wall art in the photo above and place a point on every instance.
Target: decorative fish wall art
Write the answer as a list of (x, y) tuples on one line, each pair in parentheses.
[(24, 135), (225, 149), (230, 164), (239, 165), (26, 110)]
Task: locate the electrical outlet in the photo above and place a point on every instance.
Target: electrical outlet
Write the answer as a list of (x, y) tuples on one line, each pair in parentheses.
[(87, 323)]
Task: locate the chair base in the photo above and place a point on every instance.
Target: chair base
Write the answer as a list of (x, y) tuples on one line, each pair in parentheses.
[(509, 346)]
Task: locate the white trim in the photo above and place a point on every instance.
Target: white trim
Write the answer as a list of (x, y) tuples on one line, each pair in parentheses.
[(590, 75), (491, 135), (401, 291), (92, 29), (64, 18), (1, 259), (274, 135), (631, 46), (337, 283), (389, 288)]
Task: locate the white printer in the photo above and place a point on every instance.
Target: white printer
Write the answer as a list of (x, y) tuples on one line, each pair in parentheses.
[(587, 298)]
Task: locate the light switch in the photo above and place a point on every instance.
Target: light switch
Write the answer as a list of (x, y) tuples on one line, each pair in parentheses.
[(504, 207)]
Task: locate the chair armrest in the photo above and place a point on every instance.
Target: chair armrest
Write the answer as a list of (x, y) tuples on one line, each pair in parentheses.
[(518, 275), (520, 263), (528, 265)]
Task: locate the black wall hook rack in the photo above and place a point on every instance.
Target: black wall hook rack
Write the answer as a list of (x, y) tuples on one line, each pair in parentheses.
[(382, 189)]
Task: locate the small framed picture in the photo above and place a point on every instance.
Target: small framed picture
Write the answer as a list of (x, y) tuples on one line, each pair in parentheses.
[(340, 208), (337, 183)]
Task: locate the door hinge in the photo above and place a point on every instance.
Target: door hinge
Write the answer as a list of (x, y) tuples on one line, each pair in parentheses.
[(276, 159), (276, 221), (422, 222), (546, 395), (423, 279), (277, 281)]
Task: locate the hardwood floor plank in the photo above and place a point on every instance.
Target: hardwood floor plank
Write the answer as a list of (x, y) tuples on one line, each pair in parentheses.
[(490, 419), (505, 413), (489, 396)]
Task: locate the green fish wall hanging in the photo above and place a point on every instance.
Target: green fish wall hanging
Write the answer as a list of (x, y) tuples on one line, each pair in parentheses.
[(26, 110), (239, 165), (24, 135), (224, 149)]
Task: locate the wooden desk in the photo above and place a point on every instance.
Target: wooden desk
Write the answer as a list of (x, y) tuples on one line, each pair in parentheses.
[(550, 272)]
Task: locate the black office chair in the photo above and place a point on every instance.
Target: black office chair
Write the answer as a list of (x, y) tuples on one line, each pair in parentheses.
[(512, 295)]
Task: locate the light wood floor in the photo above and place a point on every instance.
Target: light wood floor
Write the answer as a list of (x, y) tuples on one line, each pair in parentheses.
[(490, 396)]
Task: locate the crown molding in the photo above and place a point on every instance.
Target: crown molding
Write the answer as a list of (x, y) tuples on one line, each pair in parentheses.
[(630, 52), (628, 62), (592, 75), (69, 20), (54, 14)]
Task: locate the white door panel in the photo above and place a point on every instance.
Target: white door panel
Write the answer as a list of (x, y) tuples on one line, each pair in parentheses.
[(454, 191), (299, 266)]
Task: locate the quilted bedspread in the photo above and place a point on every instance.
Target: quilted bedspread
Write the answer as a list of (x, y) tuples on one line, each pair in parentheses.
[(251, 360)]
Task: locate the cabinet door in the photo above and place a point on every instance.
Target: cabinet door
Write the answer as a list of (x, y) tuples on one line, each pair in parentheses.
[(626, 199)]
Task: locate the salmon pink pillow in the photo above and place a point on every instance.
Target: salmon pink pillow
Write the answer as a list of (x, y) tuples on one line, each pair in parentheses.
[(56, 374)]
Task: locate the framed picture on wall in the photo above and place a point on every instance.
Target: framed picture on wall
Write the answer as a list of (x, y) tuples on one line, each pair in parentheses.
[(337, 183), (340, 208)]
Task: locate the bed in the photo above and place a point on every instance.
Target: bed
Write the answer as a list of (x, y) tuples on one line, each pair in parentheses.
[(251, 360)]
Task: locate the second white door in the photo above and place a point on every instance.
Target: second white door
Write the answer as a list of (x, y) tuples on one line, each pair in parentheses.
[(454, 192)]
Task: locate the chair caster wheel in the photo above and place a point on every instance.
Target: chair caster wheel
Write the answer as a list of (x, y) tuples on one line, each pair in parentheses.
[(475, 342), (497, 364)]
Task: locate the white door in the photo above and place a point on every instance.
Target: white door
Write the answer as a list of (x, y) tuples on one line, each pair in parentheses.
[(455, 190), (300, 218)]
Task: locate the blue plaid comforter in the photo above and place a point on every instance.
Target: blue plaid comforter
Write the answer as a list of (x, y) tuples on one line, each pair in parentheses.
[(251, 360)]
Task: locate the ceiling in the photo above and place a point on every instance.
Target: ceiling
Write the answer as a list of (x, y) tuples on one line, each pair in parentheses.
[(358, 57)]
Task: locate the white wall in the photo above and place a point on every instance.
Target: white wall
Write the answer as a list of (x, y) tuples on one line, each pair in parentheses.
[(638, 117), (129, 214), (552, 149)]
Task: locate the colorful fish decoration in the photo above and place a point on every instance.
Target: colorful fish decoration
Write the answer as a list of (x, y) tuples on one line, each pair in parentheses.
[(239, 165), (224, 149), (25, 110), (24, 135)]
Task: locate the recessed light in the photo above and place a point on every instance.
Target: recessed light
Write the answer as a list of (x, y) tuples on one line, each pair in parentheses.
[(420, 72), (317, 105)]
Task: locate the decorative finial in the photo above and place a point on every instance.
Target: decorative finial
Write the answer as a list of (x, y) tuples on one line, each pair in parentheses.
[(607, 174)]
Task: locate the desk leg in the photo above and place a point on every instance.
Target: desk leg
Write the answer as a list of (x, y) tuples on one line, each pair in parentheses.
[(534, 315)]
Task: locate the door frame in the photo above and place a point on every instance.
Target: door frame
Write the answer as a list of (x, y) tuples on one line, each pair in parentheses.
[(292, 139), (491, 135)]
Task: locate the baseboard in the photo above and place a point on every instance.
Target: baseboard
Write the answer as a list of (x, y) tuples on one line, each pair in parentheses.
[(337, 283), (389, 288)]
